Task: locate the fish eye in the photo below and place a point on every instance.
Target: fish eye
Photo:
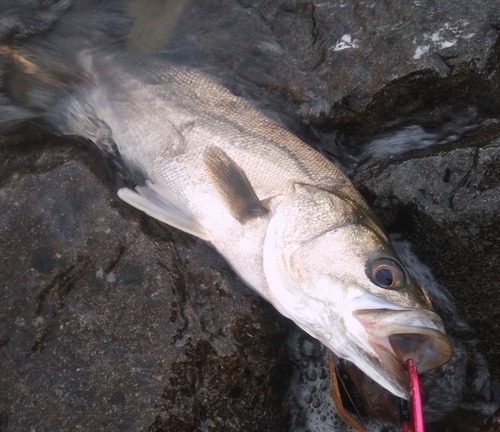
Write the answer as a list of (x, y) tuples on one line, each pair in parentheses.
[(386, 273)]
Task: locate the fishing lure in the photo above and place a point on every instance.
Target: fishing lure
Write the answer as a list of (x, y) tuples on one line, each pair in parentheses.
[(413, 421)]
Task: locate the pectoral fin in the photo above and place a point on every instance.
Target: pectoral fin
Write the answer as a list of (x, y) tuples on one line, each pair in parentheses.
[(232, 185), (161, 204)]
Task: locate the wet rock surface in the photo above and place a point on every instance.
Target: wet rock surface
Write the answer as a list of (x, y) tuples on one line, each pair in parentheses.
[(109, 320), (354, 65)]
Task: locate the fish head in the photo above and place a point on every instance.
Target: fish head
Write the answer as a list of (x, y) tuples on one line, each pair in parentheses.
[(333, 271)]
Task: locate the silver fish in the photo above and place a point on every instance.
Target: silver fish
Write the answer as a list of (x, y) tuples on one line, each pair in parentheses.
[(287, 220)]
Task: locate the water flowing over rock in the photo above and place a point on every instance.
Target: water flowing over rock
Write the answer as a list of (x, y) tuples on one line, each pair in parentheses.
[(110, 320)]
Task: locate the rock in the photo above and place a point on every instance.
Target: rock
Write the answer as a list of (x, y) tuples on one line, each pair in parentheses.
[(111, 321), (355, 65)]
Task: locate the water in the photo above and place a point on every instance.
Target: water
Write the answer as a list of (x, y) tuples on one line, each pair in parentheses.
[(309, 399)]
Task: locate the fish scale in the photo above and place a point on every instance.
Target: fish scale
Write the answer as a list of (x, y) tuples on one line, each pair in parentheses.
[(213, 112)]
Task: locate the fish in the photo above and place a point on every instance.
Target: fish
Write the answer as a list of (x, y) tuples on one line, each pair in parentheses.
[(286, 219)]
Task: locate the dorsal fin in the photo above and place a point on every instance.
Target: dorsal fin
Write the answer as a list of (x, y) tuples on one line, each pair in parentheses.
[(232, 185)]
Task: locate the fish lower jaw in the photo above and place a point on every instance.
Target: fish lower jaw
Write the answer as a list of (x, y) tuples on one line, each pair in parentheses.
[(396, 336), (392, 357), (382, 363)]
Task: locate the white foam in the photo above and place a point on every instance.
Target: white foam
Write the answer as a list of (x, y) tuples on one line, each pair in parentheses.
[(310, 401)]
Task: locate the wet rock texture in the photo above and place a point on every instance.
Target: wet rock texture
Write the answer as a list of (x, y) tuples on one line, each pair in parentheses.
[(111, 321), (356, 64)]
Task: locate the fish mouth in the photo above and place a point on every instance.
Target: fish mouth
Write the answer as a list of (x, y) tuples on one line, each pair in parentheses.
[(399, 335)]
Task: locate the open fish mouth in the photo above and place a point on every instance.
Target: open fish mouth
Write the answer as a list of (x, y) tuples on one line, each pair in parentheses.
[(398, 335)]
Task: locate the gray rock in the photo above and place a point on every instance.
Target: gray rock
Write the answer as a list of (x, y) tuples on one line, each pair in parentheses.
[(111, 321), (354, 64)]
